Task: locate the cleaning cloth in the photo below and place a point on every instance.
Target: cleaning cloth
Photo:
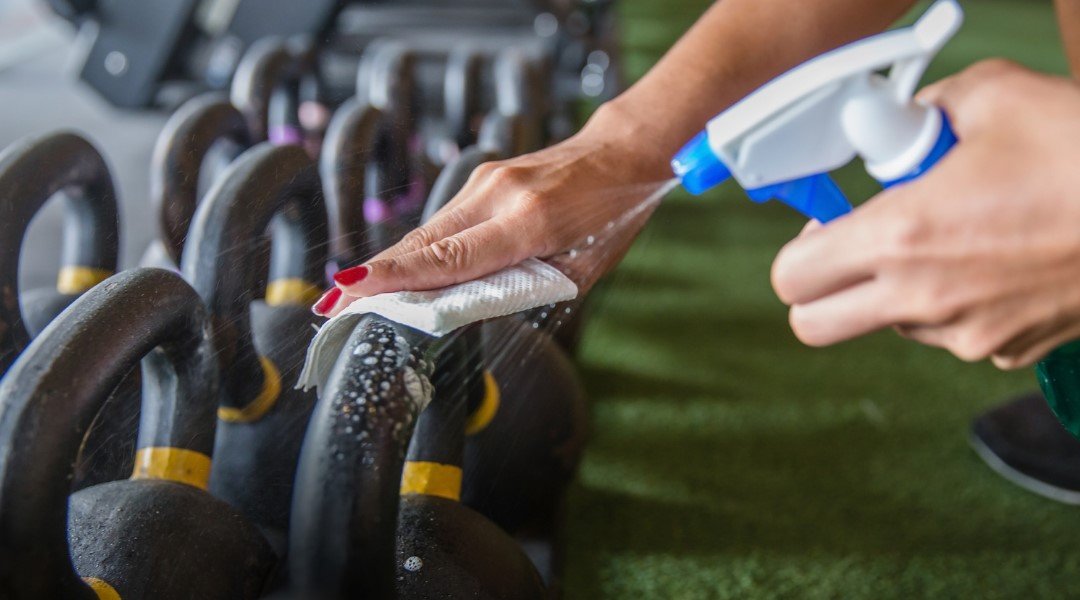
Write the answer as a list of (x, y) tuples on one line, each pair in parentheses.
[(529, 284)]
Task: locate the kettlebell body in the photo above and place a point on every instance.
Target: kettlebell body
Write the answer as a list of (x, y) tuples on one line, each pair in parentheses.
[(158, 534)]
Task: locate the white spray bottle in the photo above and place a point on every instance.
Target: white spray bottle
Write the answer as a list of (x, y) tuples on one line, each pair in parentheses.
[(782, 140)]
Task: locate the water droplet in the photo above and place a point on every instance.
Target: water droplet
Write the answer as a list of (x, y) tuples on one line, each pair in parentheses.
[(370, 360), (590, 240), (363, 348)]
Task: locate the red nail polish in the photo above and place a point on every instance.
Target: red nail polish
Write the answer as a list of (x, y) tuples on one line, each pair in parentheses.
[(327, 302), (351, 275)]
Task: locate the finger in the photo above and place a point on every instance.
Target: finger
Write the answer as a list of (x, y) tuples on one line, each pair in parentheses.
[(957, 94), (825, 260), (846, 314), (470, 254), (1033, 346), (340, 305), (449, 220)]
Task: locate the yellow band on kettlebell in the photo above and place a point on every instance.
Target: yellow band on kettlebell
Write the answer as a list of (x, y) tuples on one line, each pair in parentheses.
[(291, 291), (103, 590), (174, 464), (484, 413), (76, 279), (257, 408), (431, 479)]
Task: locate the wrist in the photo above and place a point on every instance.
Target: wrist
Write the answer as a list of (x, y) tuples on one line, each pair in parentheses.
[(640, 141)]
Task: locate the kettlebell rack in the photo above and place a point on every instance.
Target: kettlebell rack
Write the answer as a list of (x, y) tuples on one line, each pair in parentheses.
[(152, 444)]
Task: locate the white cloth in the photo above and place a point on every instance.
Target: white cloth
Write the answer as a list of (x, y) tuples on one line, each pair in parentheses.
[(529, 284)]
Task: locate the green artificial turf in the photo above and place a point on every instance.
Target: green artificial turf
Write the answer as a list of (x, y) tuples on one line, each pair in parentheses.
[(727, 460)]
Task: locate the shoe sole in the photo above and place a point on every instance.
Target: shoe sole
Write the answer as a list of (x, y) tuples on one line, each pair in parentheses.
[(1027, 482)]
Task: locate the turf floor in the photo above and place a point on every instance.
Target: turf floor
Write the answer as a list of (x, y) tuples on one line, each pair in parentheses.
[(729, 461)]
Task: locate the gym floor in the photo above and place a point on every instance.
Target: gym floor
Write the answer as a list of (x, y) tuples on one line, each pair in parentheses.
[(727, 460)]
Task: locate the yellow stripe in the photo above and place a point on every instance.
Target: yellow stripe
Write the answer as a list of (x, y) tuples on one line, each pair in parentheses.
[(76, 279), (291, 291), (103, 590), (482, 416), (257, 408), (174, 464), (431, 479)]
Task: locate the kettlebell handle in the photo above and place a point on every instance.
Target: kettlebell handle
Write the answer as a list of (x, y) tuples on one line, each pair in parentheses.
[(267, 63), (178, 156), (346, 499), (32, 171), (349, 146), (56, 388), (263, 182)]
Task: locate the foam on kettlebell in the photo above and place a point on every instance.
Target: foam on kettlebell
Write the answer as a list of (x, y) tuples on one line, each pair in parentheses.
[(529, 284)]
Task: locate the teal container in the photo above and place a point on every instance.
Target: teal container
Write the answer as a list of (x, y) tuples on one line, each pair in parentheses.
[(1059, 377)]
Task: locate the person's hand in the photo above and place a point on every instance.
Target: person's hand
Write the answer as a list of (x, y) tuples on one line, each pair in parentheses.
[(579, 203), (980, 256)]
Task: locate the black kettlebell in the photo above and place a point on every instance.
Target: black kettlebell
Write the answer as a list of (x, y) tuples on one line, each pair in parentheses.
[(158, 534), (32, 171), (360, 501), (445, 548), (348, 156), (189, 136), (526, 437), (260, 346), (397, 181), (265, 65), (463, 107), (519, 93)]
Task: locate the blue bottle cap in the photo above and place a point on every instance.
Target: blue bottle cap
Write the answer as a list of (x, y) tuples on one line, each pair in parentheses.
[(698, 167)]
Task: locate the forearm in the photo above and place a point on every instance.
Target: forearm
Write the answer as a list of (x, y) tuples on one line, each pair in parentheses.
[(734, 48), (1068, 13)]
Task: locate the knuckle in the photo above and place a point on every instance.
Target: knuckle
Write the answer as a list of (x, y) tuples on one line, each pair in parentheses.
[(452, 252), (484, 170), (932, 304), (417, 238), (902, 238), (972, 344), (507, 176)]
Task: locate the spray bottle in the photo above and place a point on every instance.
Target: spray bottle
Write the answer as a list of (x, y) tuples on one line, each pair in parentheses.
[(781, 142)]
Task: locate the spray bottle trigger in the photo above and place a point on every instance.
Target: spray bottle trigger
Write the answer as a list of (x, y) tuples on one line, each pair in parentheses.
[(816, 196)]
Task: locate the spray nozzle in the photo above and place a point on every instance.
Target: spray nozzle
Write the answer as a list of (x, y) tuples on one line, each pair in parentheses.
[(698, 167)]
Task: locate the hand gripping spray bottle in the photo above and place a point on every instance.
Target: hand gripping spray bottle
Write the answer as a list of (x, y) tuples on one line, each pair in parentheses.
[(782, 140)]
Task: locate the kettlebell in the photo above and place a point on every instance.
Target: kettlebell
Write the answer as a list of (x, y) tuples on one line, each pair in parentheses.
[(32, 171), (518, 93), (158, 534), (396, 183), (348, 156), (361, 501), (266, 63), (260, 346), (181, 148), (444, 547), (526, 436), (462, 94)]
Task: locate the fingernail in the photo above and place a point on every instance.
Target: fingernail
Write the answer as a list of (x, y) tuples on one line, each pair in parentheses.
[(351, 276), (327, 302)]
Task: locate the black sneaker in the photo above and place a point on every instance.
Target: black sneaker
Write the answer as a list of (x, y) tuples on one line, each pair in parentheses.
[(1023, 441)]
